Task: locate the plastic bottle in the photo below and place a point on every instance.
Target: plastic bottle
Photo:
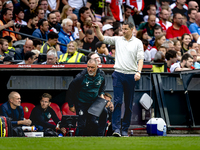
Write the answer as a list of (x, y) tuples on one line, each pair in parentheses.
[(131, 133), (164, 130), (29, 128)]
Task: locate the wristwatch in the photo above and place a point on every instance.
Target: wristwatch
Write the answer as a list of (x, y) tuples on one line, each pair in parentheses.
[(139, 72)]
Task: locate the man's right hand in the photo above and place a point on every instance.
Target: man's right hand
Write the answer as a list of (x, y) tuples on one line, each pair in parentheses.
[(26, 122), (10, 24), (95, 25), (72, 109)]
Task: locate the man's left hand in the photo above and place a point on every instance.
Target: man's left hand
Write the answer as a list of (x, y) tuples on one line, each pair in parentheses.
[(137, 76)]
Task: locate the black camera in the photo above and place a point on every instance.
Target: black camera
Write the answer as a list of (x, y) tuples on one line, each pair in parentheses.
[(17, 25)]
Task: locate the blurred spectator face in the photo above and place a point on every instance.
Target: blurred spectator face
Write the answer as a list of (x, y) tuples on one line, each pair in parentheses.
[(188, 63), (161, 40), (195, 5), (192, 15), (134, 32), (86, 14), (88, 19), (4, 47), (32, 4), (194, 54), (102, 49), (89, 38), (45, 26), (110, 32), (96, 56), (152, 20), (8, 17), (171, 46), (152, 10), (164, 15), (157, 32), (75, 20), (127, 12), (51, 59), (15, 100), (186, 40), (71, 48), (44, 5), (145, 36), (177, 47), (108, 21), (195, 46), (58, 18), (35, 21), (69, 11), (174, 60), (53, 41), (68, 27), (20, 15), (52, 19), (41, 14), (100, 25), (9, 5), (178, 20), (28, 46), (45, 103), (163, 50), (181, 2)]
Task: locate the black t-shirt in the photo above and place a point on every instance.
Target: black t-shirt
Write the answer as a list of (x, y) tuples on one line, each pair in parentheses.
[(90, 46), (26, 30), (97, 6), (181, 11)]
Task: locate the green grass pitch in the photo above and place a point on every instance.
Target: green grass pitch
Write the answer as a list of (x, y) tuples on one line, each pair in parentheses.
[(104, 143)]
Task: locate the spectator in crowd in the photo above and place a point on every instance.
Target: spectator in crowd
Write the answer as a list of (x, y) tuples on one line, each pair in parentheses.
[(11, 49), (185, 64), (79, 43), (80, 98), (163, 22), (37, 53), (177, 47), (194, 27), (193, 45), (84, 13), (107, 30), (76, 27), (8, 4), (72, 55), (107, 20), (41, 114), (51, 58), (95, 56), (193, 52), (160, 39), (28, 46), (40, 13), (30, 28), (29, 58), (150, 25), (147, 54), (66, 11), (127, 15), (58, 16), (191, 14), (52, 42), (142, 34), (180, 7), (44, 5), (89, 40), (171, 57), (151, 10), (162, 49), (65, 35), (19, 16), (169, 45), (185, 40), (13, 109), (157, 31), (159, 58), (102, 49), (7, 23), (193, 4), (3, 48), (177, 29), (43, 29), (32, 7), (37, 44), (100, 26), (118, 32), (51, 17), (53, 5)]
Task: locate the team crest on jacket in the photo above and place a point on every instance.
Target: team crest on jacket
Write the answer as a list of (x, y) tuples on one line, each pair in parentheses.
[(49, 116)]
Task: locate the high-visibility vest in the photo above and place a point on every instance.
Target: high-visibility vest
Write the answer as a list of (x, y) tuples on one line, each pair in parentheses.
[(75, 58), (6, 33)]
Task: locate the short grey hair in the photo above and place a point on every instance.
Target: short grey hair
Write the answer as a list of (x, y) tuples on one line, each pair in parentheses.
[(65, 21), (52, 52), (93, 60), (166, 43), (37, 52), (192, 50)]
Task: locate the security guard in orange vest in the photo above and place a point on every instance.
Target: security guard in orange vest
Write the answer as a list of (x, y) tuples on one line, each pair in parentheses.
[(72, 56)]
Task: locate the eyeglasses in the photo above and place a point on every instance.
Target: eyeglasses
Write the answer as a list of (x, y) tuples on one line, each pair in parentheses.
[(44, 4), (196, 6)]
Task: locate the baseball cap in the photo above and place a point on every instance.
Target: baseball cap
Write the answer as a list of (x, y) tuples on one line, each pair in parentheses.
[(106, 27)]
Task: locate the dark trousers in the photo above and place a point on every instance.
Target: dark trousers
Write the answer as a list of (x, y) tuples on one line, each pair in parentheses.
[(87, 123), (122, 84), (102, 122)]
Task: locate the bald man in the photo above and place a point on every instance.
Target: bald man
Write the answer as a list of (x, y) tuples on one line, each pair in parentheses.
[(150, 25), (13, 109), (194, 27), (193, 4)]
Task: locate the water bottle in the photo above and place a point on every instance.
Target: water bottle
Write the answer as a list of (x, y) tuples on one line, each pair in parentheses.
[(131, 133), (164, 131), (29, 128)]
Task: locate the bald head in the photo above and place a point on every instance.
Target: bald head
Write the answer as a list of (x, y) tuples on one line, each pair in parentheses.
[(152, 20), (12, 95), (28, 46), (100, 25), (193, 4), (74, 18)]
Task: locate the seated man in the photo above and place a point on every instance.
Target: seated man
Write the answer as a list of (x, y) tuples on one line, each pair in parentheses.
[(185, 64), (29, 58), (13, 109), (42, 113), (51, 58)]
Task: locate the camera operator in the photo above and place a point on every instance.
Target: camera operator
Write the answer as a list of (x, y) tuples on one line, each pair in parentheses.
[(31, 26)]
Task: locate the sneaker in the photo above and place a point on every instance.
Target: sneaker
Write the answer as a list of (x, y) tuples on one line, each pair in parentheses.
[(116, 133), (125, 134)]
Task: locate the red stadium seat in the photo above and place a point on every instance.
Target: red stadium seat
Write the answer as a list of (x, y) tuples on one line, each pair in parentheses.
[(65, 110), (27, 107), (56, 108), (1, 104)]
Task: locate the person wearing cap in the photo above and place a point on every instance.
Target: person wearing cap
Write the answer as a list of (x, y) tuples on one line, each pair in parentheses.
[(107, 30)]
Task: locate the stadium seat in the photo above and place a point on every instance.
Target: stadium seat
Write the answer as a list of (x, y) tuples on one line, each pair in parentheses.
[(56, 108), (27, 107), (65, 110), (1, 104)]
